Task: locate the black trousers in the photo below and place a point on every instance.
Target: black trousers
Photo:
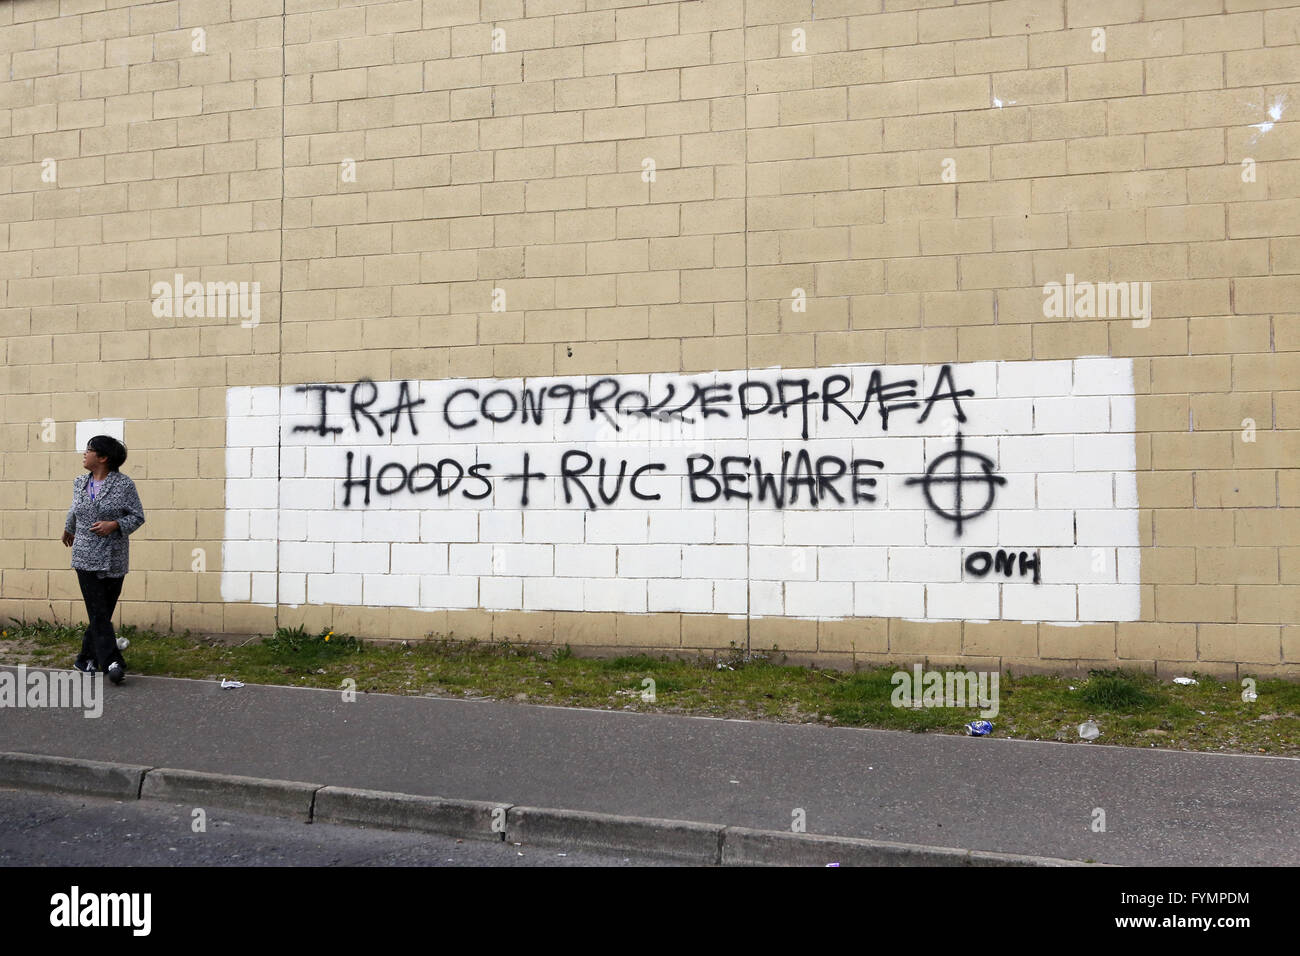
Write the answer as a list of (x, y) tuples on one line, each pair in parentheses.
[(99, 645)]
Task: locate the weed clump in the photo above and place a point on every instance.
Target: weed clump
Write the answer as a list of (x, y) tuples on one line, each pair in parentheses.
[(1118, 691)]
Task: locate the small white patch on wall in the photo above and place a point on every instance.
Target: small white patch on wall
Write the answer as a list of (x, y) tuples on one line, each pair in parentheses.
[(975, 491), (112, 427)]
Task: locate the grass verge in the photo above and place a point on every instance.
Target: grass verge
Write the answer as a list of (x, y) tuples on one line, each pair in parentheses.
[(1131, 708)]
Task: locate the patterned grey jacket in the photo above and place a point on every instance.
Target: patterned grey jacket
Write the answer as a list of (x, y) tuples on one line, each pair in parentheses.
[(116, 501)]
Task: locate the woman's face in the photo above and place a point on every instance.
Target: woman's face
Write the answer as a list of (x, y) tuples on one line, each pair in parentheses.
[(90, 461)]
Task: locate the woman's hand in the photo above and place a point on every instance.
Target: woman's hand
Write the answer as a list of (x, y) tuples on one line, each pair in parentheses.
[(104, 528), (67, 539)]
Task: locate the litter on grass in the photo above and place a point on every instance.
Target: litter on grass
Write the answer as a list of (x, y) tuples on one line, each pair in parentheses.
[(979, 728), (226, 684), (1088, 730), (1185, 680)]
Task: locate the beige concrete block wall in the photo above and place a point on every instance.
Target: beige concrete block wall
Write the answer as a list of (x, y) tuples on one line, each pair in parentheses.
[(922, 170)]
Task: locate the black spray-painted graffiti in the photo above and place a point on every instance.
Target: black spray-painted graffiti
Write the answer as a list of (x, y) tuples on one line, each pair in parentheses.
[(607, 399), (590, 481), (980, 563), (958, 480)]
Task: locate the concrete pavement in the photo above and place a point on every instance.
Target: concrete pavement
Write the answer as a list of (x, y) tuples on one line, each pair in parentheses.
[(1001, 796), (43, 829)]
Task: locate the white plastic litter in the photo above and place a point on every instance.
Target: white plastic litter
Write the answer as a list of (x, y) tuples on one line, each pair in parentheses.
[(1185, 680), (231, 683), (1088, 730), (123, 643)]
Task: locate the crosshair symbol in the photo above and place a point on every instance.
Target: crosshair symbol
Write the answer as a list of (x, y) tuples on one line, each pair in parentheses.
[(957, 479)]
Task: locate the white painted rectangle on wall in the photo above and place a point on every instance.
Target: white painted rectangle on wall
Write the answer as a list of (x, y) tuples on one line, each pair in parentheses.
[(974, 491), (112, 427)]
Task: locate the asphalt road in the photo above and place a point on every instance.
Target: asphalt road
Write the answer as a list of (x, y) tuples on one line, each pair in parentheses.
[(1161, 807), (43, 829)]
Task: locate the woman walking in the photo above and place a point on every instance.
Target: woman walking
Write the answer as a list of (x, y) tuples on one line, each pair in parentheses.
[(105, 509)]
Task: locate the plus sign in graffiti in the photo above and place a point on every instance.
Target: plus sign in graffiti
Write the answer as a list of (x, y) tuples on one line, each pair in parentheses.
[(962, 508)]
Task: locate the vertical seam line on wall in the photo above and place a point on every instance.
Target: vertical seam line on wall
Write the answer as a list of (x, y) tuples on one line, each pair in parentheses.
[(279, 319), (749, 523)]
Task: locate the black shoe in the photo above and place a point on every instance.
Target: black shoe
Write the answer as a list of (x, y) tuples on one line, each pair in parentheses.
[(84, 666), (116, 673)]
